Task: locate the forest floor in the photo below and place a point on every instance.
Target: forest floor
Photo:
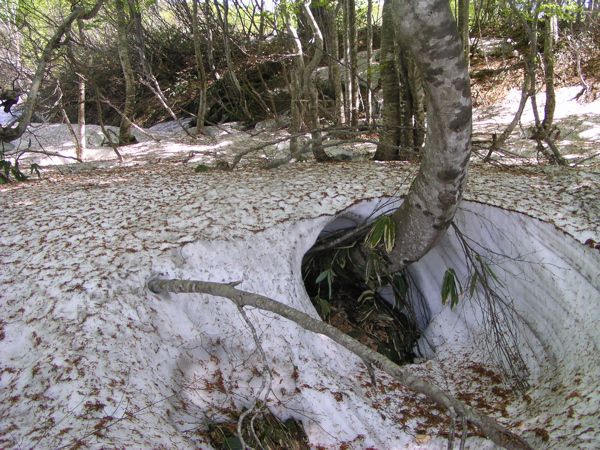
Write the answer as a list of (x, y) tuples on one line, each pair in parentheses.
[(578, 141)]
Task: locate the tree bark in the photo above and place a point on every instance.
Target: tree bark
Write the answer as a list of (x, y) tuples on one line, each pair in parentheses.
[(201, 111), (369, 96), (430, 34), (310, 89), (296, 73), (389, 140), (333, 50), (353, 62), (548, 61), (125, 136), (499, 141), (463, 27), (81, 94)]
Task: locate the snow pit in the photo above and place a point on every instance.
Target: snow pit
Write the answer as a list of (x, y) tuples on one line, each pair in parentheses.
[(550, 286), (552, 281)]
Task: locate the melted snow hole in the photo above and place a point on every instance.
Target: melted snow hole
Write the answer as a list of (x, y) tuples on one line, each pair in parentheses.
[(546, 296), (551, 281)]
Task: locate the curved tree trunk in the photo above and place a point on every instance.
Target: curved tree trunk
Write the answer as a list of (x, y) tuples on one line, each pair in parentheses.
[(430, 33), (498, 141)]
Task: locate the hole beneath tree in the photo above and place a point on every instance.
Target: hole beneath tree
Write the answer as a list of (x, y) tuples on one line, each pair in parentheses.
[(360, 298)]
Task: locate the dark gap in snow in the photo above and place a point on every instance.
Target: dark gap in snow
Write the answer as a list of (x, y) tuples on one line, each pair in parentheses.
[(378, 310), (518, 280), (537, 325)]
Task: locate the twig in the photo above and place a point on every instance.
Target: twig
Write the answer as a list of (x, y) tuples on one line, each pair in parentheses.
[(492, 429), (264, 383), (47, 153), (582, 160)]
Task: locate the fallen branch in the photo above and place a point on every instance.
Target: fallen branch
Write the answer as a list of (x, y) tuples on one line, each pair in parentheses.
[(492, 429), (48, 153)]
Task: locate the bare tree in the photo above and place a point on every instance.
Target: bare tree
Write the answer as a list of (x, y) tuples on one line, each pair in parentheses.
[(196, 36), (10, 133), (123, 22)]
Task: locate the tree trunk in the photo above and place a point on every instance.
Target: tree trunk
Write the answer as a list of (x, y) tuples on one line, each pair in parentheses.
[(209, 40), (498, 142), (125, 136), (389, 140), (548, 60), (81, 88), (202, 86), (310, 89), (346, 65), (369, 99), (296, 73), (431, 35), (224, 20), (463, 27), (12, 133), (352, 52), (333, 49), (407, 123), (417, 99)]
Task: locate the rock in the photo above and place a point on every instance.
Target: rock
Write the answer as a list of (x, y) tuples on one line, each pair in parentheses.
[(342, 153), (172, 126), (97, 138), (273, 124)]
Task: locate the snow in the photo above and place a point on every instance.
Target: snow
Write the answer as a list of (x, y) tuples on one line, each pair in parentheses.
[(89, 355), (578, 123)]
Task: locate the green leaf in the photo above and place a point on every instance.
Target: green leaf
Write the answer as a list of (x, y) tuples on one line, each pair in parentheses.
[(322, 276), (19, 176), (366, 295), (323, 308), (328, 275), (400, 285), (491, 273), (450, 288), (383, 228), (35, 168), (473, 284), (233, 443), (200, 168), (389, 235), (375, 234)]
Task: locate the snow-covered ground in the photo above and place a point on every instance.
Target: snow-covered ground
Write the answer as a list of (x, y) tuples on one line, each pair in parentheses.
[(579, 124), (89, 356)]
